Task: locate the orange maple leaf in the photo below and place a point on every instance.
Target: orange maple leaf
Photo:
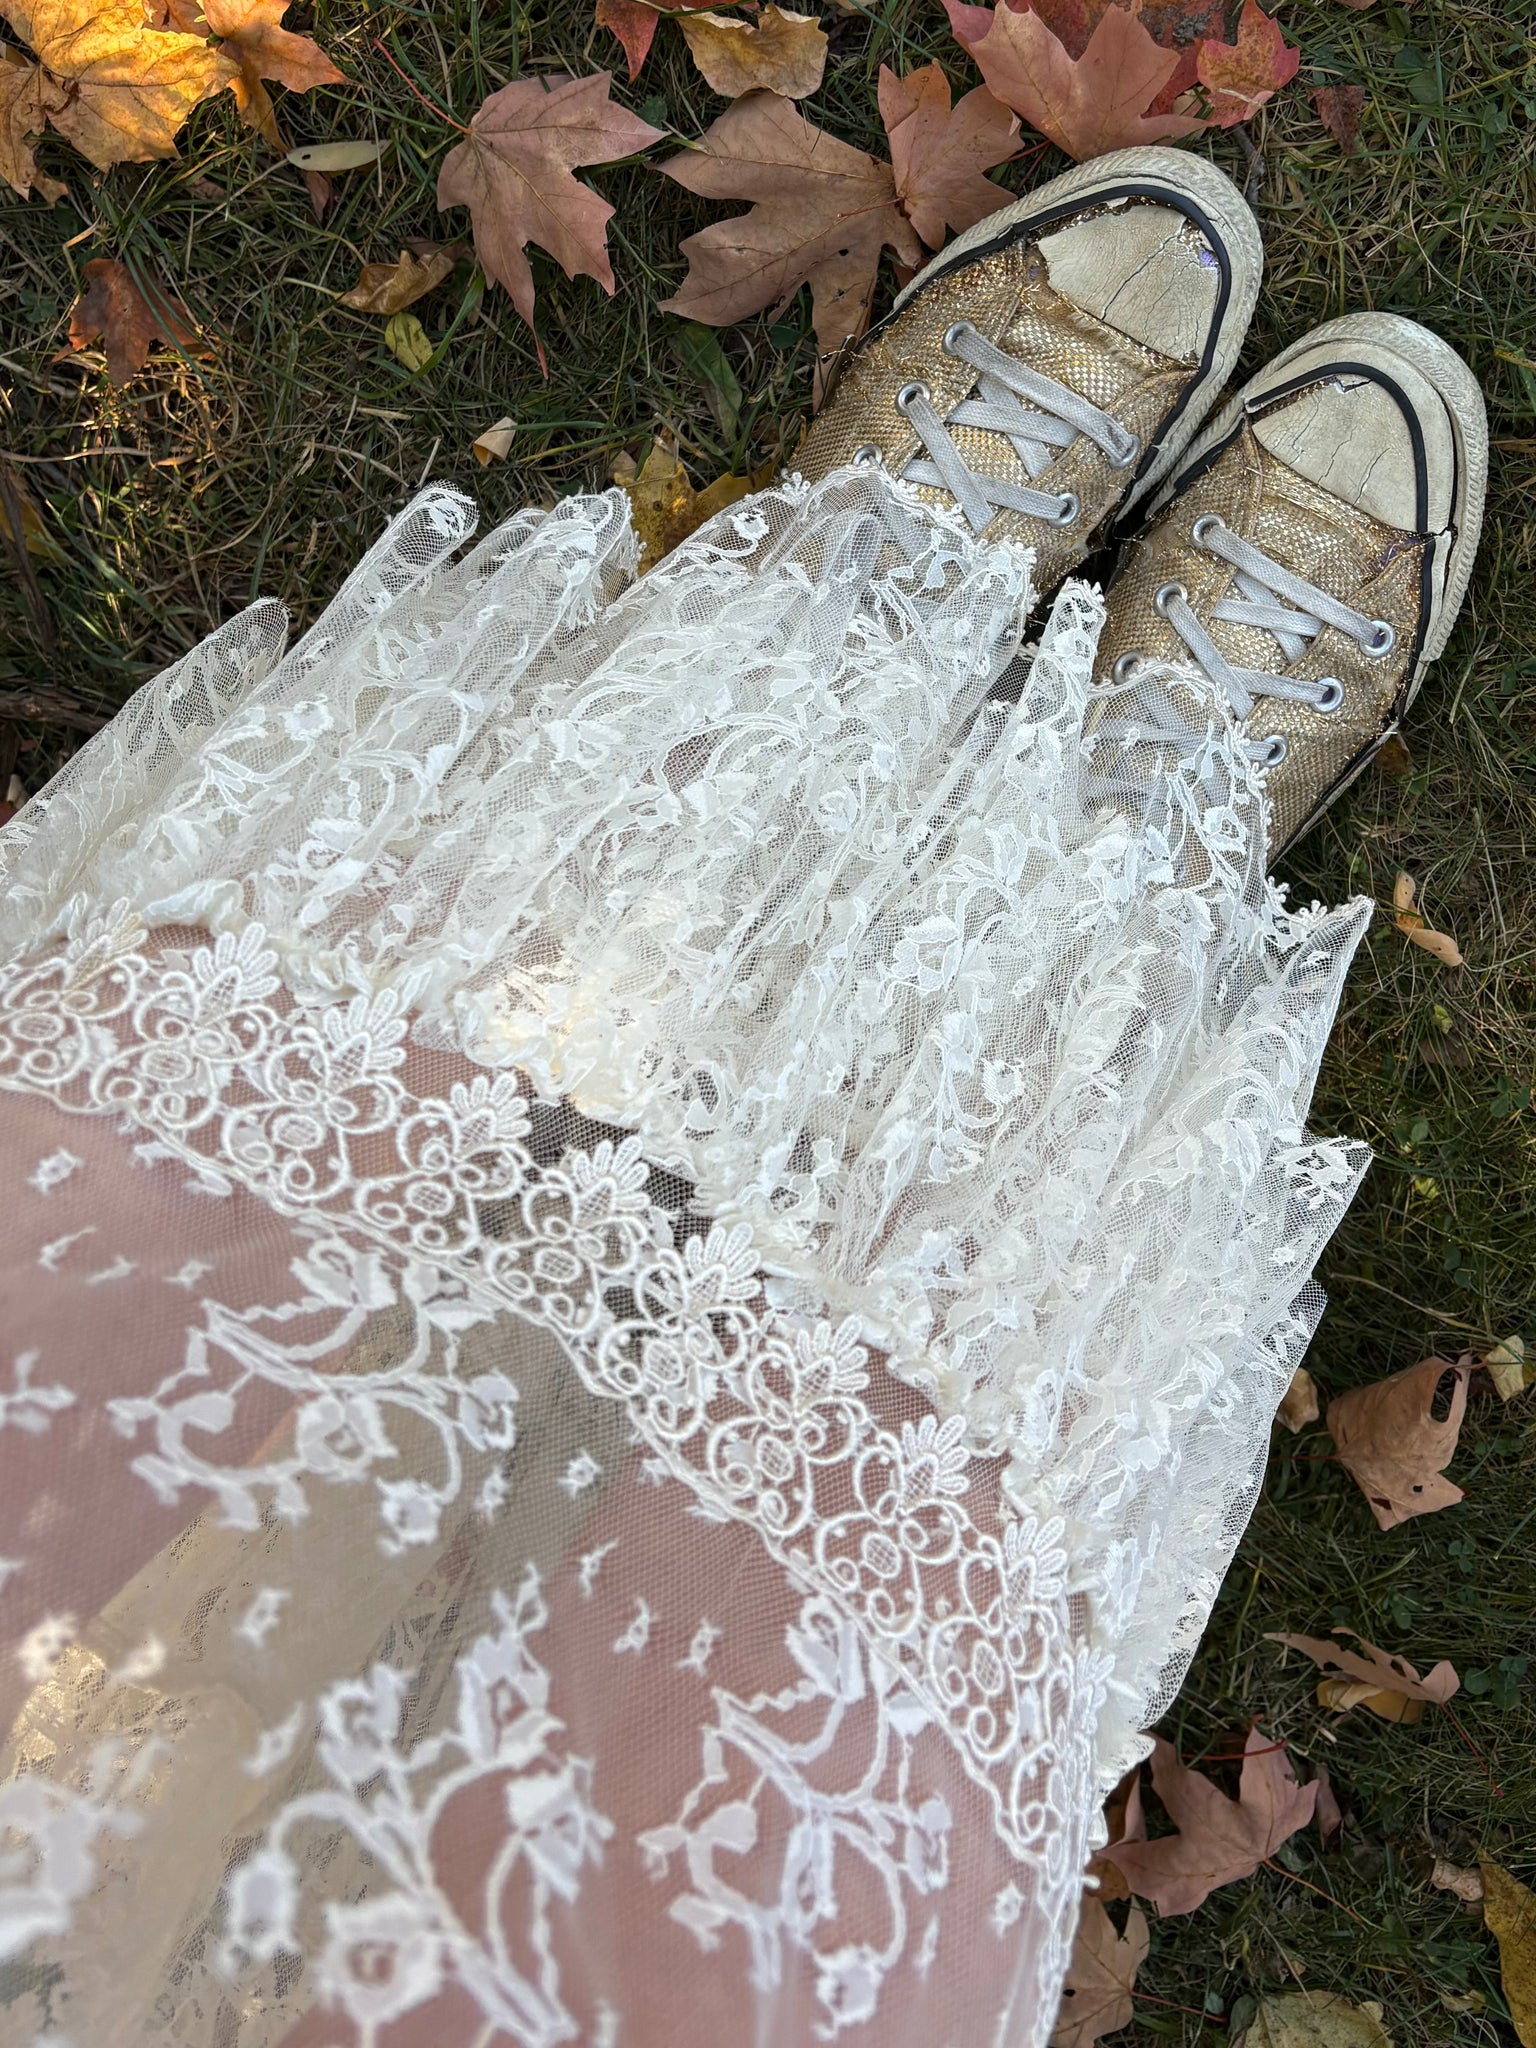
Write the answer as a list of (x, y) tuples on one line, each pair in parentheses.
[(117, 88), (634, 24), (939, 153), (1239, 77)]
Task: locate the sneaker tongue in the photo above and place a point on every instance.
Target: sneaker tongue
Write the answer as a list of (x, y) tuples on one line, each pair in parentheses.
[(1143, 270)]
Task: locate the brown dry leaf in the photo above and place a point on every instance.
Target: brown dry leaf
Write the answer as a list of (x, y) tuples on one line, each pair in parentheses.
[(321, 190), (390, 287), (1219, 1839), (1086, 104), (774, 52), (259, 49), (1506, 1367), (126, 89), (1390, 1441), (1126, 1823), (1412, 925), (822, 212), (1388, 1686), (1339, 108), (1239, 77), (27, 97), (1315, 2019), (31, 530), (634, 24), (113, 309), (1328, 1813), (663, 504), (1300, 1405), (1509, 1907), (1096, 1997), (1393, 757), (513, 172), (939, 153), (495, 443), (1454, 1877)]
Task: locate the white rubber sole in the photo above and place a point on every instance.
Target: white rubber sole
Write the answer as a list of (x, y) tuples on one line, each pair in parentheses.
[(1176, 172)]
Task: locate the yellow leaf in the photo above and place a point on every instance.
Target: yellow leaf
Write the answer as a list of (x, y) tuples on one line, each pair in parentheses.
[(1506, 1367), (1300, 1405), (775, 52), (130, 87), (335, 156), (1412, 924), (34, 535), (1509, 1908), (406, 340), (663, 504), (1343, 1693), (1315, 2019), (391, 287), (494, 443), (27, 97)]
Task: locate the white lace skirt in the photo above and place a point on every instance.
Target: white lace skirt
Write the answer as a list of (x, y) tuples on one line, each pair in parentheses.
[(650, 1239)]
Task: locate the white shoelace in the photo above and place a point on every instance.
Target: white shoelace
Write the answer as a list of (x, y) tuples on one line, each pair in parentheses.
[(1037, 436), (1263, 583)]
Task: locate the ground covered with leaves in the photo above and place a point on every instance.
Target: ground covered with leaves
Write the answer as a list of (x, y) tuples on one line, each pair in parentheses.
[(272, 407)]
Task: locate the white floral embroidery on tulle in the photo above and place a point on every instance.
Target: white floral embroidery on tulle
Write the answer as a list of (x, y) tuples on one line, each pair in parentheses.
[(397, 1948)]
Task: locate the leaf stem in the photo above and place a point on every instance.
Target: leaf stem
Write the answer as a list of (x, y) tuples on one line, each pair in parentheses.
[(1281, 1871), (431, 105)]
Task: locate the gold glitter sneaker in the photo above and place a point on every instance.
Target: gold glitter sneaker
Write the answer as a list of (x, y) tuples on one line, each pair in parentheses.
[(1311, 553), (1050, 366)]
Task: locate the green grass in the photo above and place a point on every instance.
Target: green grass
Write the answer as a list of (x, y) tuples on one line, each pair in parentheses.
[(265, 469)]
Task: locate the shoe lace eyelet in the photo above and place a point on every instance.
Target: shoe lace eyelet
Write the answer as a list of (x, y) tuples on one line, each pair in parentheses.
[(909, 393), (1382, 641), (1276, 747), (953, 333), (1166, 595), (1205, 524), (865, 454), (1129, 451), (1330, 695), (1067, 509), (1124, 667)]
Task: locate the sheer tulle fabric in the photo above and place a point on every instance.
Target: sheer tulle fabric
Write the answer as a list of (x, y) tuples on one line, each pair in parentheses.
[(652, 1231)]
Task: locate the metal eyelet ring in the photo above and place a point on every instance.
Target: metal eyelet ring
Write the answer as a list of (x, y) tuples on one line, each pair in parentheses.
[(1276, 747), (1165, 596), (1067, 508), (1203, 526), (908, 392), (1132, 450), (953, 333), (1330, 694), (1382, 641), (1124, 667), (866, 452)]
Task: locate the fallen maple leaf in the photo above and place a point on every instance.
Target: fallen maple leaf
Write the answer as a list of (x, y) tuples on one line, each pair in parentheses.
[(1239, 77), (1300, 1405), (774, 52), (1087, 104), (27, 97), (126, 88), (513, 172), (822, 213), (1509, 1908), (1386, 1685), (1125, 1822), (663, 505), (389, 287), (634, 24), (1411, 923), (259, 48), (114, 309), (1315, 2019), (1390, 1441), (1328, 1813), (1219, 1839), (1339, 108), (1096, 1996), (939, 153)]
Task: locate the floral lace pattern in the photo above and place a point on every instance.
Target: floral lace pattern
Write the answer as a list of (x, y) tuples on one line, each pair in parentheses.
[(876, 1104)]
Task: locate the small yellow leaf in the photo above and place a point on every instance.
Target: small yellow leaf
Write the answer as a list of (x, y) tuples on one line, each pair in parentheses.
[(1509, 1908), (1403, 893), (663, 504), (391, 287), (1507, 1369), (406, 340), (34, 535), (775, 52), (1412, 924), (1300, 1405), (1315, 2019), (1343, 1693), (336, 156), (494, 444)]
